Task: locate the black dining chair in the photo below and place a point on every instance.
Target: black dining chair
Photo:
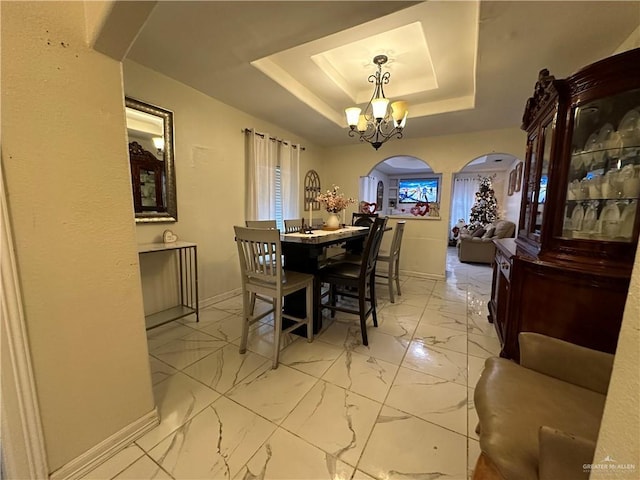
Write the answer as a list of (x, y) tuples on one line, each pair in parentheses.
[(363, 219), (353, 280)]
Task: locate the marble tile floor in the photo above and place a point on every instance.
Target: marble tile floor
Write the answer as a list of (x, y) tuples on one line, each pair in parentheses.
[(401, 408)]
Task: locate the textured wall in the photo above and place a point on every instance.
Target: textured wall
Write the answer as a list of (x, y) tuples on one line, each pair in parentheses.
[(210, 173), (66, 169)]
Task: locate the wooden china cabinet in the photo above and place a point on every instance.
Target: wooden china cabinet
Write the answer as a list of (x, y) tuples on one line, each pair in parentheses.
[(567, 273)]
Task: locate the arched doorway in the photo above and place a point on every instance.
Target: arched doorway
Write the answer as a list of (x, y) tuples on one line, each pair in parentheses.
[(502, 170), (395, 185)]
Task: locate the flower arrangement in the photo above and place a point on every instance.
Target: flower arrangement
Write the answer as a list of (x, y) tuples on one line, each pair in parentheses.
[(333, 201)]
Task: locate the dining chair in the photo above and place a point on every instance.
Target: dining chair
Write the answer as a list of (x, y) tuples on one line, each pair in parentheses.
[(392, 257), (363, 219), (261, 224), (293, 226), (353, 280), (269, 279)]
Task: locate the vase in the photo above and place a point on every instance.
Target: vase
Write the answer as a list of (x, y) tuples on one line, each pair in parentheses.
[(333, 222)]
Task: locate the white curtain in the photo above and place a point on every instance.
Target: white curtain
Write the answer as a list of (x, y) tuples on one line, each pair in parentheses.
[(464, 194), (263, 197), (289, 160), (368, 189), (261, 177)]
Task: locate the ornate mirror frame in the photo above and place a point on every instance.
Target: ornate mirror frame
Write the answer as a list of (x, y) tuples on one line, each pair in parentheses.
[(163, 176)]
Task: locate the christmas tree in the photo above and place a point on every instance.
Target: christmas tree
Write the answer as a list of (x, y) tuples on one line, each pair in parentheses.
[(485, 209)]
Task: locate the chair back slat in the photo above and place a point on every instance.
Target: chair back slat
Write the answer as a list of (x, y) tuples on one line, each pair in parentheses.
[(293, 226), (396, 243), (260, 254), (372, 246), (261, 224)]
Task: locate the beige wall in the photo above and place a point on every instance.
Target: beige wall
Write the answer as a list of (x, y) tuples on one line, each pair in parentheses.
[(210, 181), (425, 241), (620, 429), (66, 171)]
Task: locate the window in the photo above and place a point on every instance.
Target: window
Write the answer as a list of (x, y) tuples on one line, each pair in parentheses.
[(413, 190)]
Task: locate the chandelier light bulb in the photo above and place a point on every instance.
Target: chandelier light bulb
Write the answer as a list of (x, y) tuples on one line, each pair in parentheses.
[(353, 115), (379, 106)]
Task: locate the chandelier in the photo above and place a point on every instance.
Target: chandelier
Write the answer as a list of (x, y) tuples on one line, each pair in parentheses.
[(379, 122)]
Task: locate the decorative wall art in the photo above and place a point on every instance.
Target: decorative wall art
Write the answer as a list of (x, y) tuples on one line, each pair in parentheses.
[(311, 190)]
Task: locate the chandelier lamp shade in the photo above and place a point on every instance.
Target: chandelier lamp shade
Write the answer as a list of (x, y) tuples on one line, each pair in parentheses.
[(379, 121)]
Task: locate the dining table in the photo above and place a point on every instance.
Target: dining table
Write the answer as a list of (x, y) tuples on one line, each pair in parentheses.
[(305, 251)]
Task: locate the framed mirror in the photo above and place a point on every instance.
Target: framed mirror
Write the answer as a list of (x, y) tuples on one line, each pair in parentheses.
[(153, 180)]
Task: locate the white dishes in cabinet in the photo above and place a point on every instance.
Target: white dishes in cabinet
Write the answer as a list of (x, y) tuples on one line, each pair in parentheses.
[(610, 219), (627, 219)]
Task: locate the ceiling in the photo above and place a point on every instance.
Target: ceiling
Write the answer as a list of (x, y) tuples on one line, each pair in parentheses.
[(462, 66)]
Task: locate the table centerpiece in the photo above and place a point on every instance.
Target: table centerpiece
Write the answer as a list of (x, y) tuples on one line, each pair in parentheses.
[(334, 202)]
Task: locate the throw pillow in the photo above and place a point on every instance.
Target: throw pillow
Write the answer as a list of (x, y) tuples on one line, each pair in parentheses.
[(489, 233), (478, 232)]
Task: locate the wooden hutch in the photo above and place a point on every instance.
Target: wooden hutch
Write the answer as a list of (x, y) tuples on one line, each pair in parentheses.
[(567, 273)]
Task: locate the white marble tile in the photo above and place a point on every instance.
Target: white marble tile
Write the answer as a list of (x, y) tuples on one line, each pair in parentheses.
[(362, 374), (208, 317), (234, 305), (441, 363), (419, 300), (472, 416), (178, 399), (272, 393), (228, 328), (261, 337), (116, 464), (419, 286), (397, 326), (226, 367), (447, 306), (216, 443), (479, 324), (143, 469), (441, 337), (360, 475), (312, 358), (334, 419), (341, 332), (382, 346), (447, 320), (475, 367), (402, 446), (474, 452), (159, 370), (184, 351), (453, 292), (483, 346), (402, 310), (287, 457), (430, 398), (160, 335)]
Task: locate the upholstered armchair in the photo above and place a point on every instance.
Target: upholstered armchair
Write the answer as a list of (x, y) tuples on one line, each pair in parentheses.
[(478, 246), (539, 420)]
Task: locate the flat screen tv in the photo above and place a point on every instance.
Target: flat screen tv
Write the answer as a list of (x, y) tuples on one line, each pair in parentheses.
[(412, 190)]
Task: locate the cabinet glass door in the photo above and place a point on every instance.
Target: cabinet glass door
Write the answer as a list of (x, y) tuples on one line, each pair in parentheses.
[(540, 195), (529, 186), (604, 173)]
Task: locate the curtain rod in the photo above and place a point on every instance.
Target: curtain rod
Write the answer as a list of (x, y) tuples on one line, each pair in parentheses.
[(273, 139)]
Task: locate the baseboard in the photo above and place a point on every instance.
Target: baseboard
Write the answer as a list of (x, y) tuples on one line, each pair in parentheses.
[(207, 302), (80, 466), (430, 276)]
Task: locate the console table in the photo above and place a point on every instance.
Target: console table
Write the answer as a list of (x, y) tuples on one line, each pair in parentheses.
[(186, 257)]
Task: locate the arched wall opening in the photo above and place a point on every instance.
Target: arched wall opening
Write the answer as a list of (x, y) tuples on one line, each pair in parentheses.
[(401, 185), (505, 172)]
